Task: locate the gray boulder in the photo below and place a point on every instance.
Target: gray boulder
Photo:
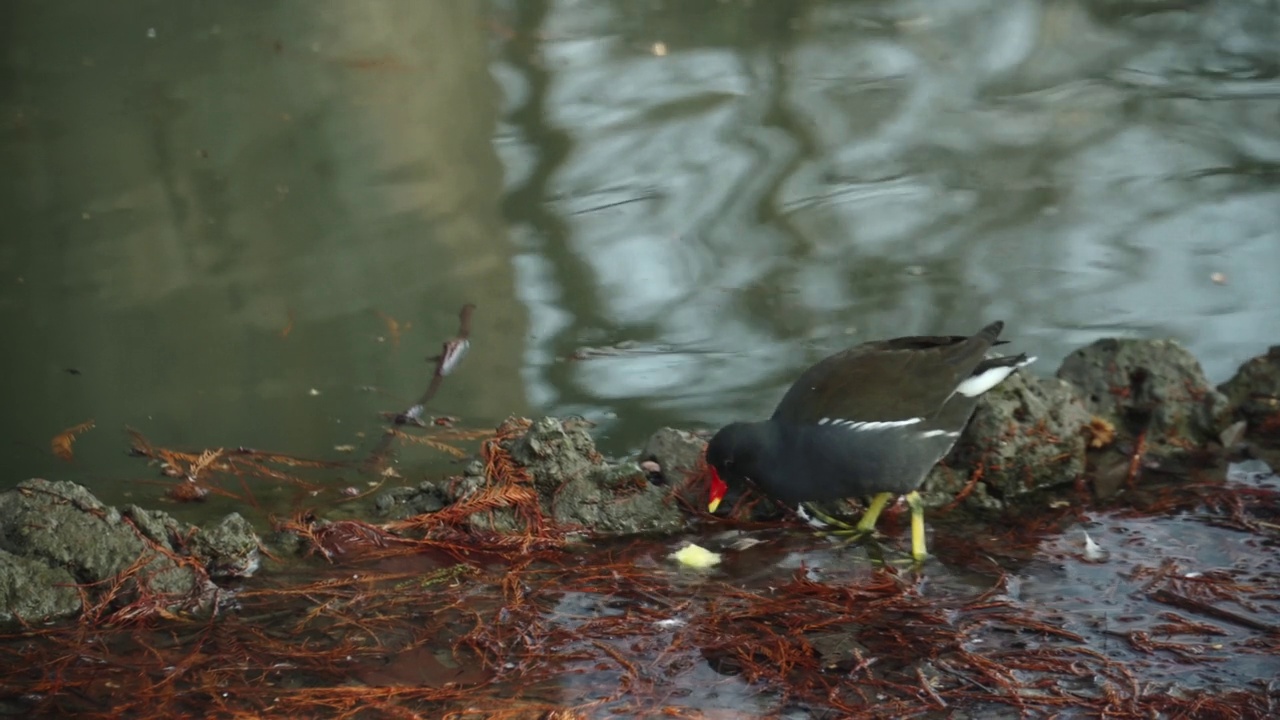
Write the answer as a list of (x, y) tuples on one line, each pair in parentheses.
[(59, 545), (673, 457), (1027, 434), (1254, 391), (1154, 386), (577, 487)]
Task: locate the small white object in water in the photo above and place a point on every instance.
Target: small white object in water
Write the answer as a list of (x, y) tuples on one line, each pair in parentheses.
[(1093, 552), (805, 516), (696, 556), (1249, 471), (744, 543)]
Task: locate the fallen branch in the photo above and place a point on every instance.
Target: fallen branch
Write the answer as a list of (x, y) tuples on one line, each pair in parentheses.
[(1169, 597), (447, 361)]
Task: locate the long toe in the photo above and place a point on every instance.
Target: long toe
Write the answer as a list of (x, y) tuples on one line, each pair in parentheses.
[(831, 524)]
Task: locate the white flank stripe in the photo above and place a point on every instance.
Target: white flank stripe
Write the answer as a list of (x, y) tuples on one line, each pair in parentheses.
[(870, 424), (939, 433), (978, 384)]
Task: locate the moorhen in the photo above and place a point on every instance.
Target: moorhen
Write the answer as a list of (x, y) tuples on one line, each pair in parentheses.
[(871, 420)]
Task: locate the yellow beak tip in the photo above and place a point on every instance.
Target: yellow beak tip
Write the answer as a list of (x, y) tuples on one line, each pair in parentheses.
[(711, 506)]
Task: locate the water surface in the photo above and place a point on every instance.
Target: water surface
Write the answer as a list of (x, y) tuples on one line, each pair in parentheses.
[(246, 223)]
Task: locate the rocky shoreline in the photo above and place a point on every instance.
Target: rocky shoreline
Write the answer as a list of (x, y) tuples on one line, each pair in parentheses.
[(1116, 412)]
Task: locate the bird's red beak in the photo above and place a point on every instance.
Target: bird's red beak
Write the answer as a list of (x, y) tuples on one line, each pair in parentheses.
[(718, 489)]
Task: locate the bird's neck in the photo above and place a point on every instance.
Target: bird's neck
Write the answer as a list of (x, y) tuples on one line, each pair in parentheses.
[(767, 439)]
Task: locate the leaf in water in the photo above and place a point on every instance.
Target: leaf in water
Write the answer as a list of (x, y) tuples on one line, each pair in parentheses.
[(451, 450), (288, 325), (1100, 432), (344, 448), (393, 327), (188, 492), (62, 442), (434, 443), (693, 555)]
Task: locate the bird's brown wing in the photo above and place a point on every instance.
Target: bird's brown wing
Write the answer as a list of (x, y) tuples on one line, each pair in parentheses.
[(887, 380)]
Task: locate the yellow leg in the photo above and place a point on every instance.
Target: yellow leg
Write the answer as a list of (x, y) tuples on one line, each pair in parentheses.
[(868, 521), (916, 504)]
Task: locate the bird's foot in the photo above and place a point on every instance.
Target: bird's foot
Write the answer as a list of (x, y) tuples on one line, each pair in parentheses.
[(828, 524)]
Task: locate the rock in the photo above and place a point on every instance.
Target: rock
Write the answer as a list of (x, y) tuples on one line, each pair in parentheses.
[(31, 591), (1254, 392), (468, 484), (678, 453), (618, 501), (58, 540), (837, 647), (1151, 385), (62, 525), (559, 451), (576, 486), (406, 502), (678, 457), (228, 549), (159, 527), (1027, 434), (285, 543)]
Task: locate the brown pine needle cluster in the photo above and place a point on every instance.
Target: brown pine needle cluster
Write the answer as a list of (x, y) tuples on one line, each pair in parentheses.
[(62, 442), (498, 632)]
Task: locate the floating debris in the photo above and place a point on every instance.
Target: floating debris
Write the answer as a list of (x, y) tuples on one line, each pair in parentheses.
[(1093, 552), (1249, 471), (696, 556)]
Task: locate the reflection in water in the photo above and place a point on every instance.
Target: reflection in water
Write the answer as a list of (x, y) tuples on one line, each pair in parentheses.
[(748, 184), (764, 193), (213, 209)]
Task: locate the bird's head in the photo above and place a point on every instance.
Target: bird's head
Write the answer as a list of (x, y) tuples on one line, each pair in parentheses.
[(731, 460)]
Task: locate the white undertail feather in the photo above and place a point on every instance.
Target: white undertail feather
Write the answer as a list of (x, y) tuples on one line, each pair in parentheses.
[(978, 384)]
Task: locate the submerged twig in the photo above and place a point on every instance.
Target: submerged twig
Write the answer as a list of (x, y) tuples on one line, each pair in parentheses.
[(1169, 597), (451, 354)]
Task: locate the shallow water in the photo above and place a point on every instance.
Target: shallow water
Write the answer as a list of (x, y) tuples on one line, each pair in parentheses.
[(982, 580), (999, 623)]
